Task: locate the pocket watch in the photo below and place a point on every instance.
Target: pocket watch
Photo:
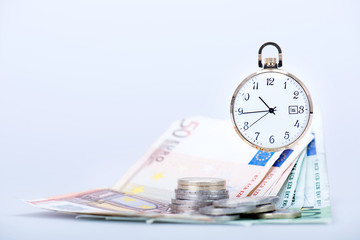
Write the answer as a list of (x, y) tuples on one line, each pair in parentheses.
[(271, 109)]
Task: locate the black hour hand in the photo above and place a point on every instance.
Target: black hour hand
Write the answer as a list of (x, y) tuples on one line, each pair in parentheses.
[(271, 110)]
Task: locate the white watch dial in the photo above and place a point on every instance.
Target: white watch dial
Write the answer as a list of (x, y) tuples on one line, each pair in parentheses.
[(271, 110)]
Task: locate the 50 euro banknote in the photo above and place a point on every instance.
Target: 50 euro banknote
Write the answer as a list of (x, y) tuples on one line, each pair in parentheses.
[(204, 147), (197, 146)]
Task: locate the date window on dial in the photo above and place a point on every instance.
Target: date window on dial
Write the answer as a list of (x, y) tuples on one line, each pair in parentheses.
[(293, 110)]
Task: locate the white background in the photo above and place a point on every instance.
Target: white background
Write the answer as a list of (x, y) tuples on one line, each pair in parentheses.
[(87, 86)]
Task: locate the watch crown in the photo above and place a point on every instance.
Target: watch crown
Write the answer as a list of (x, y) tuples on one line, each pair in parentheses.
[(270, 63)]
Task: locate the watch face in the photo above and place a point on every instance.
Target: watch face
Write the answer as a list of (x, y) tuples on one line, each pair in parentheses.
[(271, 109)]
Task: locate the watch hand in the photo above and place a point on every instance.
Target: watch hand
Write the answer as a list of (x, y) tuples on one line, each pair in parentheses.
[(264, 102), (258, 120), (271, 110), (255, 112)]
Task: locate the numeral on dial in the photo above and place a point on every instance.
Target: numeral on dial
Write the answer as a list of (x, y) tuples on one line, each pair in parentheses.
[(296, 94), (297, 124), (270, 82), (287, 135), (255, 85), (246, 125), (272, 139), (257, 135), (301, 109), (247, 97), (240, 111)]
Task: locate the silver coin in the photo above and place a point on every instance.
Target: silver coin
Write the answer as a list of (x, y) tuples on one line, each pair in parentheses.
[(225, 218), (202, 192), (237, 202), (201, 181), (192, 202), (262, 209), (188, 211), (201, 197), (192, 196), (183, 207), (214, 211), (280, 213), (202, 188)]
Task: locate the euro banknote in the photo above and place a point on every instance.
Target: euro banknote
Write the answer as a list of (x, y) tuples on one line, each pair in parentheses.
[(197, 146), (206, 147), (272, 178), (286, 193), (311, 192)]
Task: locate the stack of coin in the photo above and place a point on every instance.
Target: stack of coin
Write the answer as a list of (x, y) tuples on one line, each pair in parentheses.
[(249, 207), (194, 193)]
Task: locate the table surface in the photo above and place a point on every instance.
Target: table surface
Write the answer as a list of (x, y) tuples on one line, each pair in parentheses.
[(87, 86)]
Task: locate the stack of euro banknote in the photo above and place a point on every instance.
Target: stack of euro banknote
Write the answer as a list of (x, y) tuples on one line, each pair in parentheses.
[(205, 147)]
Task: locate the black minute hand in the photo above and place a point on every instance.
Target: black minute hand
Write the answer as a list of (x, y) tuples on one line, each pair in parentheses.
[(255, 112)]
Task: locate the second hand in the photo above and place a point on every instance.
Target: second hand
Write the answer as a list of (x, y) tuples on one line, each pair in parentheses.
[(257, 120)]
